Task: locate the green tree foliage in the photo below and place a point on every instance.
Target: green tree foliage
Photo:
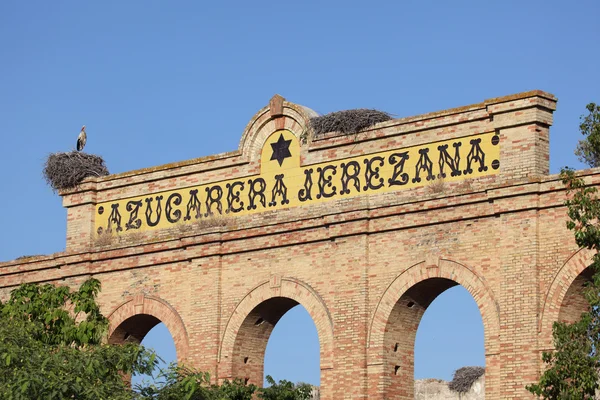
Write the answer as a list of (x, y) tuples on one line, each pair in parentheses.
[(572, 368), (284, 390), (588, 149), (180, 383), (51, 347)]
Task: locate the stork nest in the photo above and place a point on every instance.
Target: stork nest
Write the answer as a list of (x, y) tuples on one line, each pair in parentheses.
[(67, 170), (348, 122), (464, 378)]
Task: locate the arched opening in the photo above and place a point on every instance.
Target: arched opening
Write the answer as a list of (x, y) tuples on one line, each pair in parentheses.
[(293, 349), (153, 334), (133, 329), (574, 302), (150, 318), (400, 335), (252, 338), (248, 329), (450, 336)]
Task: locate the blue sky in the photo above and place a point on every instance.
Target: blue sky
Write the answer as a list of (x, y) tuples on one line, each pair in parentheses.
[(157, 82)]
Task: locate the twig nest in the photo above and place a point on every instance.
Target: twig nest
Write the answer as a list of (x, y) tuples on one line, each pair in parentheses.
[(348, 121), (464, 378), (67, 170)]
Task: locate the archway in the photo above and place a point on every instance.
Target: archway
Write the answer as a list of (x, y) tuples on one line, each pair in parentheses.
[(248, 330), (133, 319), (396, 320), (253, 337), (564, 299), (450, 336), (574, 303), (292, 351)]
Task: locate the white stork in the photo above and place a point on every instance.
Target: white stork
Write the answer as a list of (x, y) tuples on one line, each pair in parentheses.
[(81, 139)]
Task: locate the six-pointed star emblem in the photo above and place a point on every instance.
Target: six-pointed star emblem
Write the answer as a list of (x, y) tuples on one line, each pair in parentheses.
[(281, 149)]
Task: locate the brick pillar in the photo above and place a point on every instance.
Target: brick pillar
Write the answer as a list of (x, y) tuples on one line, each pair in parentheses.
[(81, 209), (523, 126), (350, 317), (518, 358)]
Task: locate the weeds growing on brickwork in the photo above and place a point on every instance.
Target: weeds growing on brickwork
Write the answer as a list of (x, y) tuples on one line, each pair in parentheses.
[(210, 222), (348, 122), (134, 236), (201, 224), (25, 257), (437, 186), (104, 239), (67, 170), (464, 378)]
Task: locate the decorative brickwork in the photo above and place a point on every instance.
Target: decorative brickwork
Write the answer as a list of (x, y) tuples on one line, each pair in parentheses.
[(364, 231)]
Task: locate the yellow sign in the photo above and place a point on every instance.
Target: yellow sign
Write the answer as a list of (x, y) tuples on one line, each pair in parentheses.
[(284, 183)]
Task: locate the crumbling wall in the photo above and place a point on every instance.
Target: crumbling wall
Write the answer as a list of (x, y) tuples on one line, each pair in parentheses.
[(437, 389)]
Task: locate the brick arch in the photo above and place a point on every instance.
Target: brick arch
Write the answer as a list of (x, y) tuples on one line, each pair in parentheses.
[(421, 278), (150, 309), (288, 288), (561, 282), (279, 114), (452, 270)]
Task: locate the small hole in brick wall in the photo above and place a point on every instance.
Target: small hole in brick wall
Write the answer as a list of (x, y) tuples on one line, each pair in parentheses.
[(259, 322), (246, 380), (410, 304), (396, 348), (245, 360), (396, 370)]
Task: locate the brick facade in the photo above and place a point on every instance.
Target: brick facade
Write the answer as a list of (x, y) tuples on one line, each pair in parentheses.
[(365, 267)]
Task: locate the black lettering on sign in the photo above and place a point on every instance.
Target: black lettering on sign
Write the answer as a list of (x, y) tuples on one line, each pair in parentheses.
[(149, 211), (233, 196), (279, 190), (452, 162), (399, 177), (372, 173), (114, 218), (305, 194), (213, 196), (132, 208), (326, 181), (347, 176), (424, 164), (257, 189), (475, 155), (193, 205), (173, 216)]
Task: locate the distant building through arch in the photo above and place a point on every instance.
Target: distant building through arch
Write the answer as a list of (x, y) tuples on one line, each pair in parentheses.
[(362, 230)]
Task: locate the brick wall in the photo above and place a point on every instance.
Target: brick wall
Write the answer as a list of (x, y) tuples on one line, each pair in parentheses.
[(364, 267)]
